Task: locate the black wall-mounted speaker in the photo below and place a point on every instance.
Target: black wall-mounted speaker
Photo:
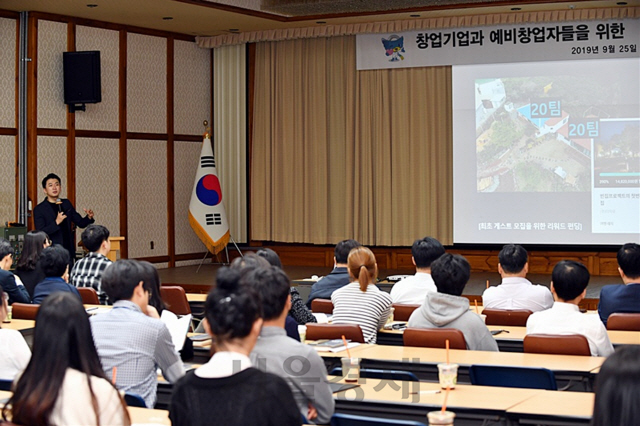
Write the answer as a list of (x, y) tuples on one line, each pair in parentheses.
[(82, 77)]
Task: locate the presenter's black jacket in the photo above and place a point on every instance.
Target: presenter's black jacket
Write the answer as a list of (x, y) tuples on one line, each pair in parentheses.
[(44, 217)]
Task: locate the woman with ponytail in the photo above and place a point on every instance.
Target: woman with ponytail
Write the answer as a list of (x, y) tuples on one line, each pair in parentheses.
[(63, 383), (361, 302), (227, 390)]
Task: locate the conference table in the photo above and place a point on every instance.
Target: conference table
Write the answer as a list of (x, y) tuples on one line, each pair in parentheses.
[(576, 371), (473, 405), (511, 338)]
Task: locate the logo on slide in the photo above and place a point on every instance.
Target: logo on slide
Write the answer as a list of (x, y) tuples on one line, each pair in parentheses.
[(393, 47), (208, 190)]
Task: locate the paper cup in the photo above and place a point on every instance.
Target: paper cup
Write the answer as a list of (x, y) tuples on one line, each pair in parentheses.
[(351, 369), (448, 375), (440, 418)]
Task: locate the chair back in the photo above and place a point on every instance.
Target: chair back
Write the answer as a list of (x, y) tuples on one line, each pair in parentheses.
[(176, 299), (25, 311), (402, 312), (89, 296), (133, 400), (340, 419), (509, 317), (434, 338), (512, 377), (322, 306), (5, 385), (352, 332), (625, 322), (376, 373), (556, 344)]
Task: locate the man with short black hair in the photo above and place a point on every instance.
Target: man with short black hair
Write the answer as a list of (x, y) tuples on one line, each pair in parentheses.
[(274, 352), (55, 215), (16, 292), (412, 290), (446, 308), (569, 281), (87, 272), (625, 297), (516, 291), (339, 277), (131, 340), (54, 262)]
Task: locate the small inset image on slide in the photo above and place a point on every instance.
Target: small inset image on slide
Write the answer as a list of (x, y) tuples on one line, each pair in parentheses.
[(617, 154)]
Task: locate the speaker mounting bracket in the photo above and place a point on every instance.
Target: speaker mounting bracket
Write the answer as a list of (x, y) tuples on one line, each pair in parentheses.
[(77, 107)]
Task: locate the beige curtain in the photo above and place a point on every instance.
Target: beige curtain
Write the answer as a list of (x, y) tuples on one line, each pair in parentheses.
[(229, 132), (338, 153)]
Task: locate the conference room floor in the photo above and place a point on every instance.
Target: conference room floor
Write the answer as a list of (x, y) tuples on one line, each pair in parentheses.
[(206, 277)]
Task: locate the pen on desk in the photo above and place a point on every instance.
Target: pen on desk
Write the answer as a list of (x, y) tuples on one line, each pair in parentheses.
[(435, 391), (92, 309)]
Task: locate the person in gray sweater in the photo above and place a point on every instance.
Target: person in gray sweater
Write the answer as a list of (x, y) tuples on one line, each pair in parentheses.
[(447, 309)]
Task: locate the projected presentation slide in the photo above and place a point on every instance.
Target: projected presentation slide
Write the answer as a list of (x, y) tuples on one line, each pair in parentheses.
[(547, 152)]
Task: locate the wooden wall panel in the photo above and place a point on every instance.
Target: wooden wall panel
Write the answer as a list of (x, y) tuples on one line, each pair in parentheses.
[(52, 41), (8, 95), (540, 262), (7, 178), (104, 115)]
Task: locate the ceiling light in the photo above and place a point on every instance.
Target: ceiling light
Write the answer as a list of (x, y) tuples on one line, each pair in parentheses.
[(516, 8), (167, 18), (622, 3), (321, 22), (92, 5), (234, 30), (414, 16)]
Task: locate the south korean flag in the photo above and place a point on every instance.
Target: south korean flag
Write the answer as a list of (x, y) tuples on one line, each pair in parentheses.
[(207, 216)]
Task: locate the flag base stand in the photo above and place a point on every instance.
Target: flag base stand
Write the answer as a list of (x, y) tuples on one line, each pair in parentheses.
[(226, 251)]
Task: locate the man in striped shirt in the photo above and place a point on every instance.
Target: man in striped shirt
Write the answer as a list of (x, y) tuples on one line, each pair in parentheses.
[(88, 271)]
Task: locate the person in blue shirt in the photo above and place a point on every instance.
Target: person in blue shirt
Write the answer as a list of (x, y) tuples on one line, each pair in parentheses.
[(54, 262)]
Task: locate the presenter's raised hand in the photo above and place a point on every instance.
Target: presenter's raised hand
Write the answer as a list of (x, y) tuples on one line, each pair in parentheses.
[(60, 218), (89, 213)]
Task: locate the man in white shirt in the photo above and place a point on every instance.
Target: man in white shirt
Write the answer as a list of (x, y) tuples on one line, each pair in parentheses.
[(516, 291), (569, 286), (412, 290)]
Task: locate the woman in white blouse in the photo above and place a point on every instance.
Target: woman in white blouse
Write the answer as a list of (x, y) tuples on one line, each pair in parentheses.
[(14, 351)]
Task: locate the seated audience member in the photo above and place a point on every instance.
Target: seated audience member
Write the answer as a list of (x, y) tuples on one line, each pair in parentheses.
[(625, 297), (227, 390), (412, 290), (14, 351), (131, 337), (339, 277), (64, 383), (569, 281), (152, 278), (516, 291), (274, 351), (27, 268), (54, 262), (448, 309), (299, 311), (252, 261), (361, 302), (15, 291), (87, 272), (617, 400)]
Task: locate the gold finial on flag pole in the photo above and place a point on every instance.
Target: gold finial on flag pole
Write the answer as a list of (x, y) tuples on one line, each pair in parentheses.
[(207, 129)]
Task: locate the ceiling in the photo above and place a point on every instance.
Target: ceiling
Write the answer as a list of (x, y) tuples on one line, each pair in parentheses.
[(209, 18)]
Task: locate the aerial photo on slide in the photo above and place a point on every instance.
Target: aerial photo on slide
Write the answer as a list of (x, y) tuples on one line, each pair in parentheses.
[(536, 133)]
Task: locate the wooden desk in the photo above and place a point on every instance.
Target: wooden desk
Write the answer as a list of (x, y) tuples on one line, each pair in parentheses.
[(512, 341), (196, 297), (20, 325), (394, 399), (561, 408), (115, 248), (148, 416), (423, 362)]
